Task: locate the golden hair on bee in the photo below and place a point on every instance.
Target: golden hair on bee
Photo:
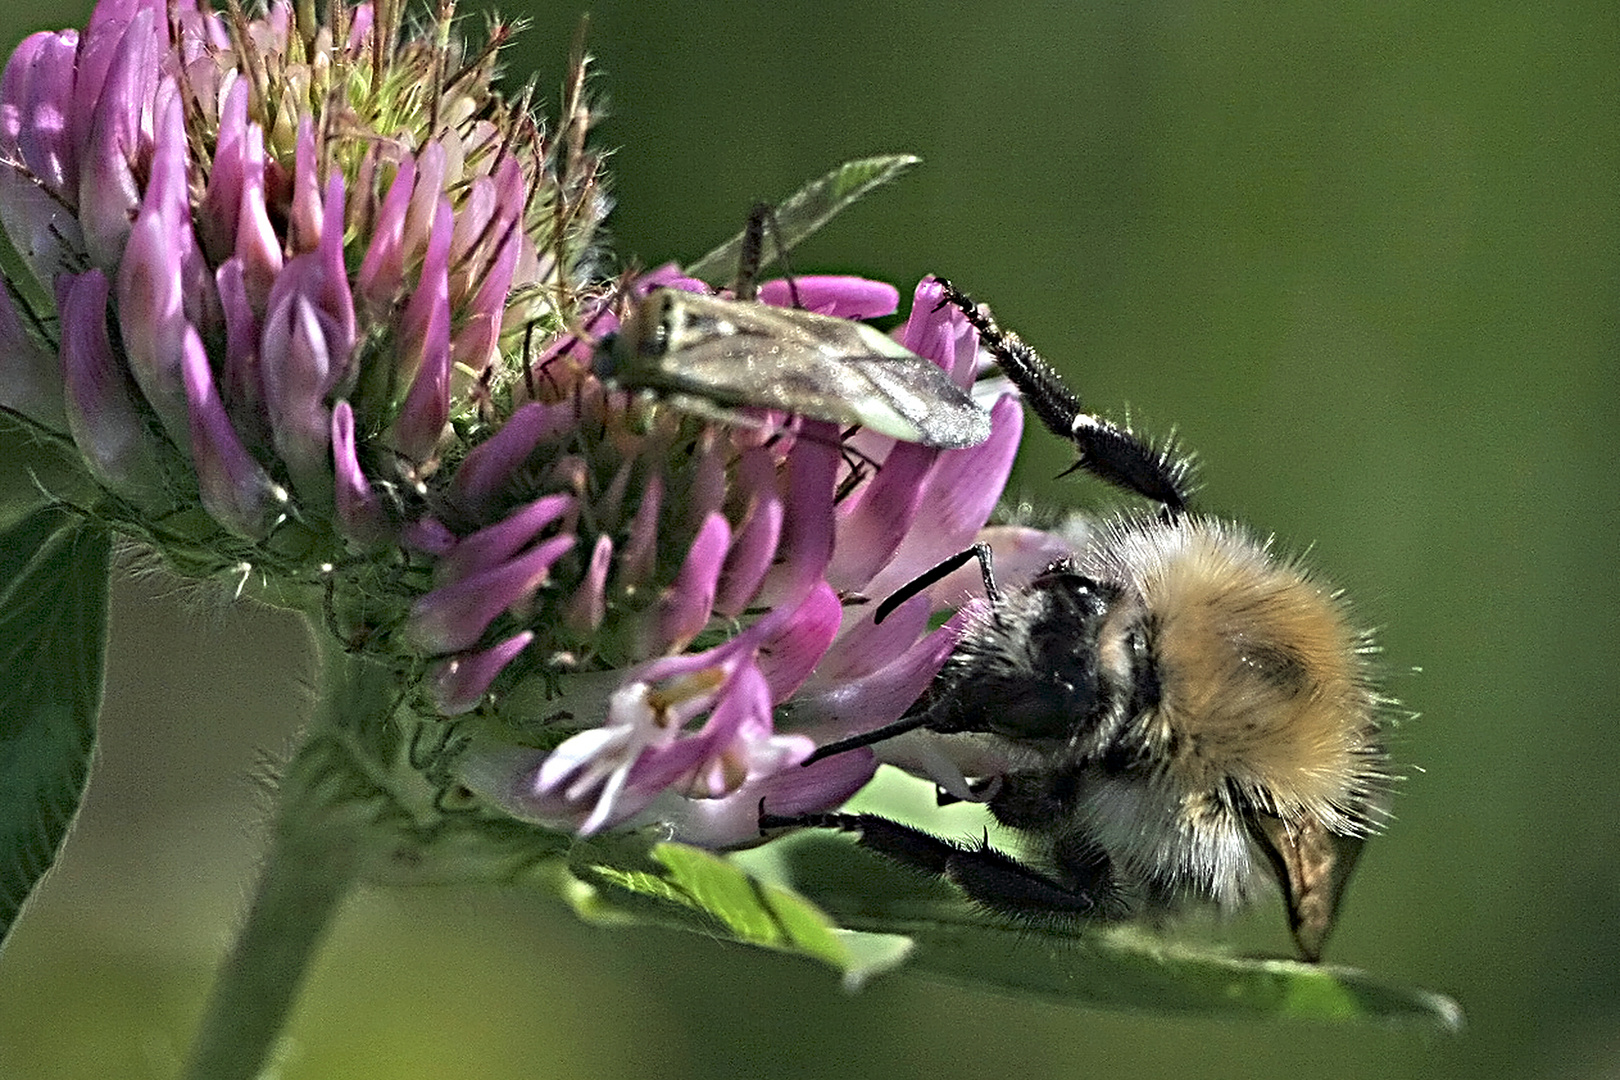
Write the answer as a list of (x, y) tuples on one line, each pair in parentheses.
[(1263, 680)]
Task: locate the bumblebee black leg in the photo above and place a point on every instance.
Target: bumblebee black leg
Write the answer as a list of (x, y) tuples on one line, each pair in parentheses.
[(1106, 450), (980, 551), (995, 881)]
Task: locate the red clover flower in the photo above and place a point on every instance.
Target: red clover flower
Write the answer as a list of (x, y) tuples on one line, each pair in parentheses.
[(307, 302)]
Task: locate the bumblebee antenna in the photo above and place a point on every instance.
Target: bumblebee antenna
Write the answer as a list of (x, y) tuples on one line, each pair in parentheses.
[(1107, 451), (868, 738)]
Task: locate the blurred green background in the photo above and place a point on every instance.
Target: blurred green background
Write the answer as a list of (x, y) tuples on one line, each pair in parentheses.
[(1365, 258)]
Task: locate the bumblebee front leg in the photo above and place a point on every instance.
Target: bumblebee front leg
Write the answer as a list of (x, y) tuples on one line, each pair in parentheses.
[(992, 879)]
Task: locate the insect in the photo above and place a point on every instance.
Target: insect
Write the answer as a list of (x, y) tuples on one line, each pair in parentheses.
[(717, 357), (1181, 713)]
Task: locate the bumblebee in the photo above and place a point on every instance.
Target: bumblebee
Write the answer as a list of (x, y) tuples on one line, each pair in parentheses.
[(1180, 714)]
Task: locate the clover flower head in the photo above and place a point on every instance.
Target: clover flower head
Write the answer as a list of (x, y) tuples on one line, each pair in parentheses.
[(309, 296)]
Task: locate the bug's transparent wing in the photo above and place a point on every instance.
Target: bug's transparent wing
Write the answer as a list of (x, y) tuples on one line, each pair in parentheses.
[(822, 368)]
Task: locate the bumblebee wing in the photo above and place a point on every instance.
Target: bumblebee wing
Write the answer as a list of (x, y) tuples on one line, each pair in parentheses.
[(826, 369)]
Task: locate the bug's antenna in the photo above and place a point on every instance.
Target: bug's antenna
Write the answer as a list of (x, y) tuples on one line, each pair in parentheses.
[(868, 738)]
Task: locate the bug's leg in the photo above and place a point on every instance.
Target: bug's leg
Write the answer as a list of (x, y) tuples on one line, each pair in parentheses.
[(1107, 450), (990, 878), (980, 551), (752, 256), (746, 287)]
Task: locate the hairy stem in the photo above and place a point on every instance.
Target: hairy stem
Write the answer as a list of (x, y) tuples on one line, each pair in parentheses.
[(316, 855)]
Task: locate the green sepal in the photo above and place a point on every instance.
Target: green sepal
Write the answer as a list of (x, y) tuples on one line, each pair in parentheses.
[(809, 209), (54, 571)]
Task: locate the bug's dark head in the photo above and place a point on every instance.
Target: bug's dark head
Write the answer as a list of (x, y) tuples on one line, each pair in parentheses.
[(644, 333)]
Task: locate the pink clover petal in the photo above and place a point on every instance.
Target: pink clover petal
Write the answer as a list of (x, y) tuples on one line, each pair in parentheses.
[(806, 547), (360, 29), (587, 608), (382, 270), (430, 300), (724, 656), (297, 369), (360, 514), (152, 318), (222, 201), (460, 683), (44, 144), (332, 294), (452, 618), (98, 48), (961, 492), (752, 550), (874, 522), (669, 276), (636, 557), (738, 741), (426, 325), (845, 708), (684, 608), (940, 333), (102, 413), (420, 427), (108, 189), (495, 544), (256, 242), (236, 492), (430, 536), (477, 341), (1020, 553), (240, 376), (787, 659), (489, 467), (734, 820), (840, 295), (304, 217), (473, 217), (36, 114), (868, 646), (431, 165), (577, 347), (705, 488), (35, 79)]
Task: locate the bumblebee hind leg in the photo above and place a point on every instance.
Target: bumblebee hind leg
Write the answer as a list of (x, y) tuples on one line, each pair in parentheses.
[(992, 879)]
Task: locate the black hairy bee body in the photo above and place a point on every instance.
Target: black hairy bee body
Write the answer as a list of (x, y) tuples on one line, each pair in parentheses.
[(1179, 714)]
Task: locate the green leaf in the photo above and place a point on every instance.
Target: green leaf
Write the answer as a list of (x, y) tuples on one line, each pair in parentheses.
[(53, 633), (813, 206), (686, 888), (1117, 968)]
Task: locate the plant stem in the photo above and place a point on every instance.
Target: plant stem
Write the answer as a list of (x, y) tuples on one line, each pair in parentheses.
[(316, 855)]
